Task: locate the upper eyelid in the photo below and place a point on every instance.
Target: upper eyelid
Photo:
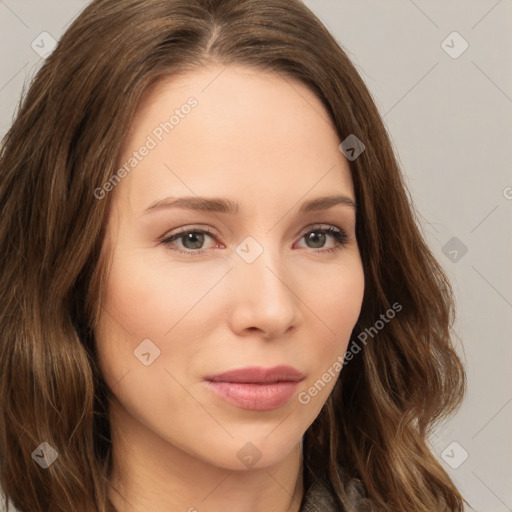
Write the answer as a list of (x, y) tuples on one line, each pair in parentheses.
[(209, 231), (212, 231)]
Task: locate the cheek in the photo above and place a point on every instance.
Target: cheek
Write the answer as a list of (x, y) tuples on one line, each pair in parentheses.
[(149, 311), (347, 300), (335, 305), (336, 299), (148, 296), (147, 299)]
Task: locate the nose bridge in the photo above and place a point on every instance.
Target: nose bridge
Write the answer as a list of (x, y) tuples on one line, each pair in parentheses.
[(264, 296), (260, 265)]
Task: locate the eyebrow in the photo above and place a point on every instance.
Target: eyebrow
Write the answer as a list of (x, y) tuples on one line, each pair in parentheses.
[(221, 205)]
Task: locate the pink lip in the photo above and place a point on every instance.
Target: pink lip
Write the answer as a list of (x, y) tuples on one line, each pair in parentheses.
[(256, 388), (258, 375)]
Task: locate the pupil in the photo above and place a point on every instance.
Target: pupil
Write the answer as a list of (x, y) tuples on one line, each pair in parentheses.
[(314, 236), (190, 238)]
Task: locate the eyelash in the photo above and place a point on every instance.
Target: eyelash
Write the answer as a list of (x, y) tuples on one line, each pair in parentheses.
[(340, 238)]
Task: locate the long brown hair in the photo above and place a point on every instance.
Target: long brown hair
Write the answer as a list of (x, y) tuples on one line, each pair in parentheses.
[(371, 436)]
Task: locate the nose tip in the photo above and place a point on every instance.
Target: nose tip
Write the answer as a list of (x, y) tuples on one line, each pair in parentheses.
[(263, 300)]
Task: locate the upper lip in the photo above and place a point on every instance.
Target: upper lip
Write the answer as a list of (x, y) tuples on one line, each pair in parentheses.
[(258, 374)]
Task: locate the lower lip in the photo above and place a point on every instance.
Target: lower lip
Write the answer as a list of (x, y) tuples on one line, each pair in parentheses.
[(254, 397)]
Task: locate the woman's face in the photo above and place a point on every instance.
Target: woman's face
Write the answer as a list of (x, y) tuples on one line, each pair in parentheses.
[(265, 287)]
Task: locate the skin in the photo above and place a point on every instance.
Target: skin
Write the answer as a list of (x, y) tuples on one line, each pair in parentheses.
[(266, 142)]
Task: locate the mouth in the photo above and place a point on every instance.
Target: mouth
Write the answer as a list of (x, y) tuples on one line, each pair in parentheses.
[(256, 388)]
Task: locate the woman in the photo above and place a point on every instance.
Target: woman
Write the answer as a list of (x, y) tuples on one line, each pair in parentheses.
[(216, 295)]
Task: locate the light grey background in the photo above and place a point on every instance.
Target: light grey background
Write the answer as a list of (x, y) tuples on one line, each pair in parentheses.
[(450, 122)]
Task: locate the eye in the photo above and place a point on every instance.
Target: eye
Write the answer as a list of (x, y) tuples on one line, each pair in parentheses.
[(318, 236), (193, 239)]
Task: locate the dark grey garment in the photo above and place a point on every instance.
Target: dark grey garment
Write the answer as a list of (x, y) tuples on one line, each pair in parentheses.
[(317, 498)]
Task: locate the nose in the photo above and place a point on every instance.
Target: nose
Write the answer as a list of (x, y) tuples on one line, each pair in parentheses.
[(263, 299)]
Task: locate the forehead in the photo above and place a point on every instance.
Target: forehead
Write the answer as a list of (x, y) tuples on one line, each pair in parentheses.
[(249, 132)]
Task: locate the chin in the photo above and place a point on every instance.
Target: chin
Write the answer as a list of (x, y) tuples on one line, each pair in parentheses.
[(253, 451)]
